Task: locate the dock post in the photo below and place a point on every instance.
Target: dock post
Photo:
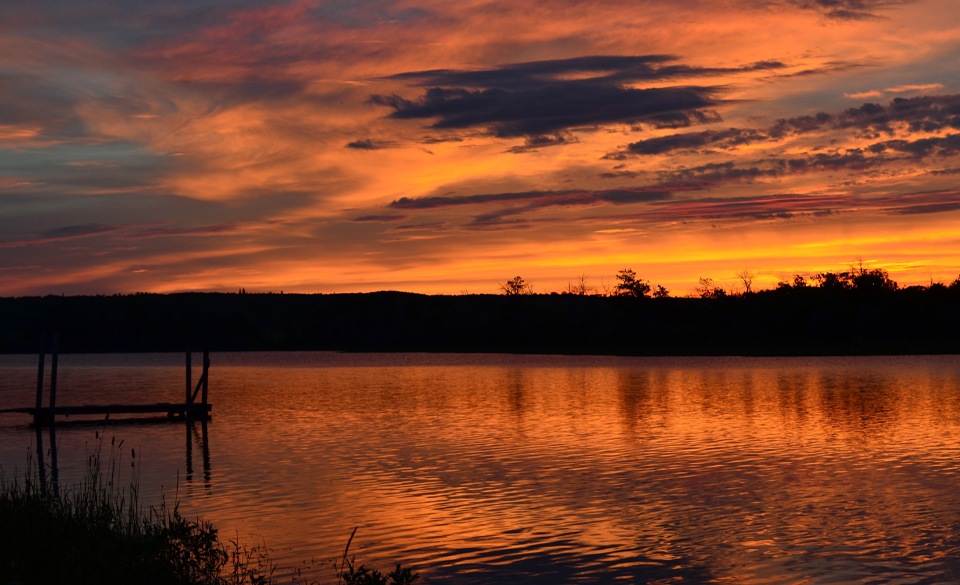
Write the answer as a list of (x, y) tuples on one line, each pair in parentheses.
[(206, 378), (189, 378), (205, 450), (189, 428), (53, 375), (54, 464), (40, 367), (41, 459)]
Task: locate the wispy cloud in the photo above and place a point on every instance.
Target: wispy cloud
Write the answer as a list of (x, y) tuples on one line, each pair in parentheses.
[(864, 95), (909, 88), (915, 87)]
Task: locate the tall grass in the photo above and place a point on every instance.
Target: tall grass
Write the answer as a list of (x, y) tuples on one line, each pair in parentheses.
[(96, 532)]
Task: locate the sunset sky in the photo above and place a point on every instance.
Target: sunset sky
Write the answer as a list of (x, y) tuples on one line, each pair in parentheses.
[(445, 147)]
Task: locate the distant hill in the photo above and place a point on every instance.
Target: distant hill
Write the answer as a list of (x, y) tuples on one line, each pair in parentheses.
[(788, 321)]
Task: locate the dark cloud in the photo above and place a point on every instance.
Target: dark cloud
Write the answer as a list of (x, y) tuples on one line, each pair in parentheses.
[(535, 143), (512, 205), (848, 9), (610, 69), (749, 208), (544, 98), (796, 205), (922, 113), (620, 174), (547, 110), (537, 199), (435, 201), (790, 206), (929, 208), (952, 171), (432, 226), (713, 174), (672, 120), (77, 231), (707, 175), (696, 140), (830, 67), (382, 218), (440, 139), (370, 144), (870, 120), (800, 124), (169, 230), (499, 220), (924, 202), (933, 146), (60, 234), (625, 196), (853, 159)]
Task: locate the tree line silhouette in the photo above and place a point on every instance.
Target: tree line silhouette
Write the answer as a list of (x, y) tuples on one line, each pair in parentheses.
[(861, 311), (628, 284)]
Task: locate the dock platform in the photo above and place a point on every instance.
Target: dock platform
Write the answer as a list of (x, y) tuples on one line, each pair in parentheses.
[(190, 409), (172, 410)]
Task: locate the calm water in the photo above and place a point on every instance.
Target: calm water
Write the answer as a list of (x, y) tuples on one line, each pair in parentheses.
[(500, 469)]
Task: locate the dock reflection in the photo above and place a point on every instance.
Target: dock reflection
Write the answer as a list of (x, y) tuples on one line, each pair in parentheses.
[(54, 483), (195, 432), (201, 436)]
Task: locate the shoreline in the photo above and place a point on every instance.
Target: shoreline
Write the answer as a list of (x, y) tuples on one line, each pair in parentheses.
[(779, 323)]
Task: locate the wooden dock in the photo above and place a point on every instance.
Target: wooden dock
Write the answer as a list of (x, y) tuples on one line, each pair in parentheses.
[(190, 409), (171, 409)]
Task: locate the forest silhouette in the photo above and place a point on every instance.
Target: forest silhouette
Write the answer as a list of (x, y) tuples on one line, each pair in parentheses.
[(861, 311)]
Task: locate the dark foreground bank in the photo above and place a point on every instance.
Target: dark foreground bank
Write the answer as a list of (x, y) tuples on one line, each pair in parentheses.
[(788, 321), (96, 533)]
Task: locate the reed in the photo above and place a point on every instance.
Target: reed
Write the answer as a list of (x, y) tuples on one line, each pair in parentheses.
[(350, 573), (96, 532)]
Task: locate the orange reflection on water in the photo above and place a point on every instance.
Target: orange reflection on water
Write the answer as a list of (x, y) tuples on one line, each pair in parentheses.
[(709, 470), (487, 469)]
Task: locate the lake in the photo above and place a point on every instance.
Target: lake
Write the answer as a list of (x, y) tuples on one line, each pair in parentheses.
[(544, 469)]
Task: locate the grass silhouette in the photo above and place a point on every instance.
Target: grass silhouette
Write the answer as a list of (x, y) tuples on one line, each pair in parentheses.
[(96, 532)]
